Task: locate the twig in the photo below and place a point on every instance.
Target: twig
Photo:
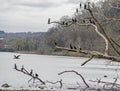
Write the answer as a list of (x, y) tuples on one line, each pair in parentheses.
[(87, 60), (60, 82), (77, 74)]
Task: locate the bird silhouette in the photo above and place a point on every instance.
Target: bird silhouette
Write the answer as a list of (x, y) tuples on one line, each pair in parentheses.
[(31, 72), (73, 20), (15, 66), (75, 47), (83, 21), (55, 43), (22, 68), (80, 5), (85, 6), (71, 46), (63, 23), (36, 75), (77, 10), (16, 56), (49, 21), (80, 48)]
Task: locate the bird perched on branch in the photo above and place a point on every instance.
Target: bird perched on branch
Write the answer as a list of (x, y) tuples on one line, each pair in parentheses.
[(36, 75), (77, 10), (55, 43), (49, 21), (85, 6), (15, 66), (63, 23), (22, 68), (71, 46), (75, 47), (80, 5)]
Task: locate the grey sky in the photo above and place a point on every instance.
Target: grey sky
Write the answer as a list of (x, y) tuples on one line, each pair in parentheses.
[(32, 15)]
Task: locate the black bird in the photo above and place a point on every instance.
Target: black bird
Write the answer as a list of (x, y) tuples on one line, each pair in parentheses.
[(75, 47), (83, 21), (55, 43), (85, 6), (75, 20), (71, 46), (80, 5), (15, 66), (49, 21), (31, 72), (16, 56), (91, 21), (80, 48), (22, 68), (66, 23), (63, 23), (36, 75), (77, 10)]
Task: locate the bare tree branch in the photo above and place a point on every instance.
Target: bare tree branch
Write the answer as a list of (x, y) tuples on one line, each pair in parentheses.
[(24, 71), (76, 74), (87, 60)]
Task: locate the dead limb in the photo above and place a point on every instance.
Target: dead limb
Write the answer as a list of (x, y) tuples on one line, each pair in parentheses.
[(76, 74), (87, 60), (92, 53), (24, 71), (60, 82)]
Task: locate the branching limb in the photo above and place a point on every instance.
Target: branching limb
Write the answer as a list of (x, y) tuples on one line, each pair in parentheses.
[(115, 42), (60, 82), (94, 53), (87, 60), (24, 71), (76, 74)]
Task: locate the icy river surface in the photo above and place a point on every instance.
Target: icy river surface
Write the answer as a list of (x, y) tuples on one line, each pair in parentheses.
[(48, 67)]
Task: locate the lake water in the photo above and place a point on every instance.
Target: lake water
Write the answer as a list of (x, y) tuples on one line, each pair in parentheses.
[(48, 68)]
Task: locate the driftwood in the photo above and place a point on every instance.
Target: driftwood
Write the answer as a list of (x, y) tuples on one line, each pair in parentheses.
[(76, 74), (24, 71), (60, 82), (93, 53)]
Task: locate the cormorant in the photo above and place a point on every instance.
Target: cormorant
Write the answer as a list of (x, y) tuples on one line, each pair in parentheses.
[(80, 48), (49, 21), (77, 10), (75, 47), (66, 23), (15, 66), (93, 22), (55, 43), (85, 6), (75, 20), (83, 21), (71, 46), (16, 56), (80, 5), (22, 68), (63, 23), (36, 75)]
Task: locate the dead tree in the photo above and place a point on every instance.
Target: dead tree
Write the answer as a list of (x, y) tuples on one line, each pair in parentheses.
[(97, 27)]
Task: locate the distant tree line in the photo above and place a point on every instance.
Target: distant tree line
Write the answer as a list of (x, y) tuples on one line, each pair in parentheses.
[(80, 37)]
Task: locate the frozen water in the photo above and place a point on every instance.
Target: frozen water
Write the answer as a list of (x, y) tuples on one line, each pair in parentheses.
[(48, 68)]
